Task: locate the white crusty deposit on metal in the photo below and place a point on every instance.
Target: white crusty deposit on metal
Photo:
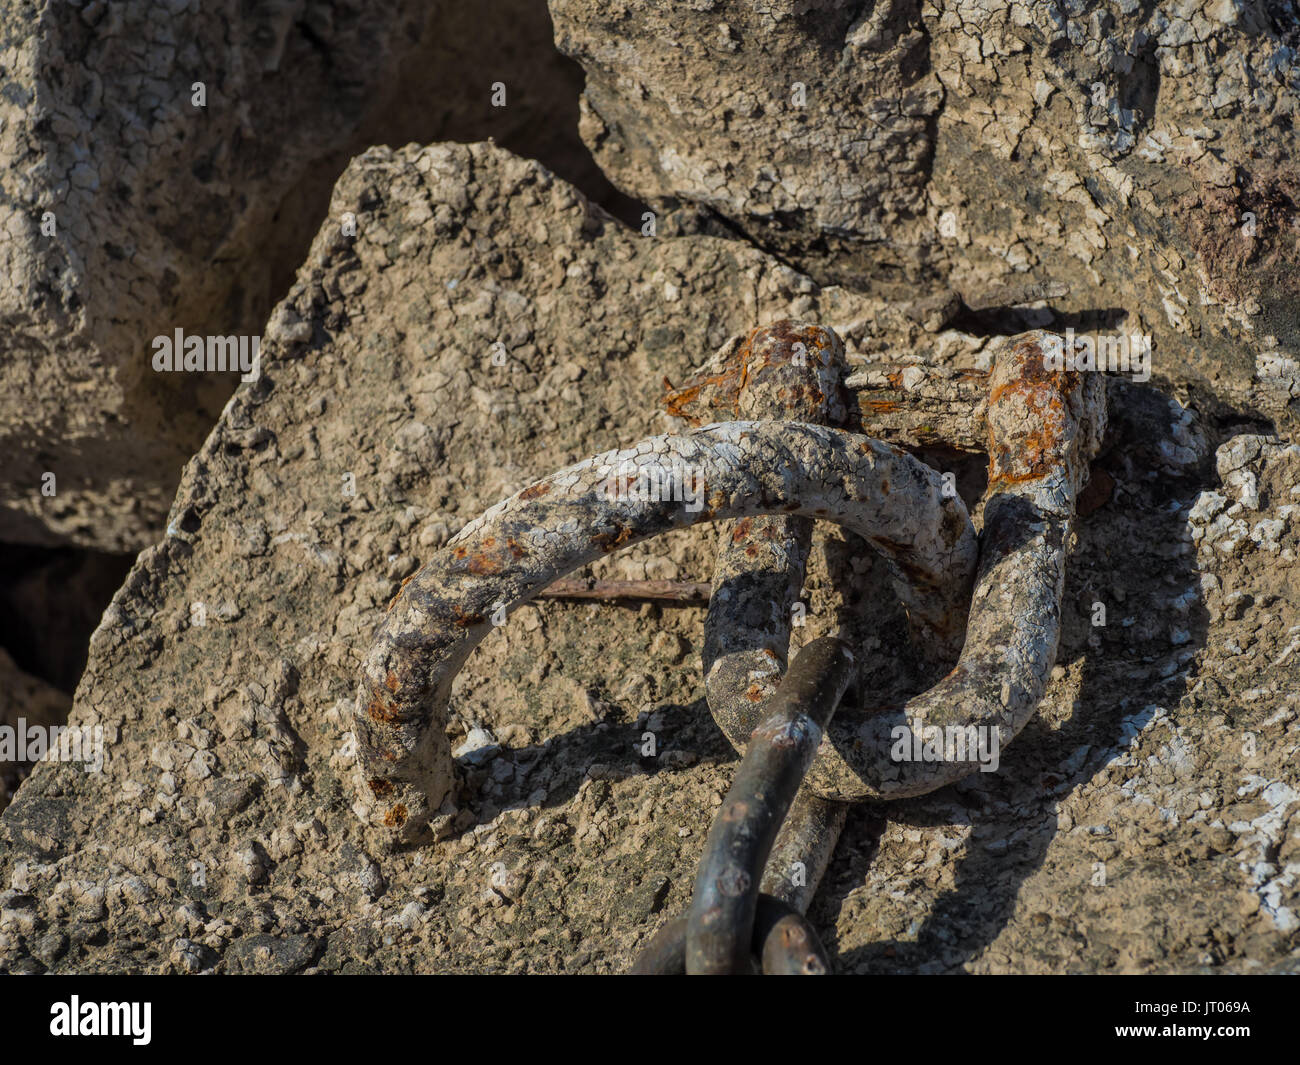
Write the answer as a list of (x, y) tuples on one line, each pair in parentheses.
[(513, 551)]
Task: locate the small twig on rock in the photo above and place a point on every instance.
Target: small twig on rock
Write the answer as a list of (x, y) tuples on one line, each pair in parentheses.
[(690, 592)]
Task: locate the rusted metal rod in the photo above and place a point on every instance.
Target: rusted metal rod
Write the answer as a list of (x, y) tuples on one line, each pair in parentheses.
[(804, 848), (509, 554), (721, 920), (923, 406), (784, 944), (1043, 428), (666, 591)]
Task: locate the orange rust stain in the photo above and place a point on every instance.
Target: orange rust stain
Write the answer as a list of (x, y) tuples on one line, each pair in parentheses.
[(956, 674), (1002, 464), (1035, 454), (382, 709), (390, 681), (460, 552), (396, 817), (676, 402), (751, 551), (764, 347), (1034, 375), (744, 370), (380, 787), (482, 565), (741, 529), (879, 406), (465, 621), (393, 602), (754, 693), (535, 491), (714, 390), (610, 541), (1031, 393), (514, 548)]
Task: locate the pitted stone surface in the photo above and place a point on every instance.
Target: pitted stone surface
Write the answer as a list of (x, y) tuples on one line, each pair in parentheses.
[(1140, 152), (128, 211), (221, 834)]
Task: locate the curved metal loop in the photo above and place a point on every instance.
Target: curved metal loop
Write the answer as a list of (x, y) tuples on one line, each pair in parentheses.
[(514, 550), (777, 475), (1043, 428), (780, 751), (784, 943)]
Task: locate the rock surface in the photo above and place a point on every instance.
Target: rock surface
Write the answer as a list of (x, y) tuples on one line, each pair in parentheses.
[(485, 326), (24, 700), (1140, 152), (131, 207)]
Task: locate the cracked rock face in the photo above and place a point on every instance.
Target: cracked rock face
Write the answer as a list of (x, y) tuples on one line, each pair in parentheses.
[(486, 326), (807, 125), (166, 166), (1140, 152)]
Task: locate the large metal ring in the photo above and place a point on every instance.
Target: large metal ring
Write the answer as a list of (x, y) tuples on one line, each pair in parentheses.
[(517, 548)]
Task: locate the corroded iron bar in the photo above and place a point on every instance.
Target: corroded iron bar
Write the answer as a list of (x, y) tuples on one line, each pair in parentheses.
[(786, 372), (518, 547), (783, 944), (803, 849), (721, 921), (923, 406), (1043, 428)]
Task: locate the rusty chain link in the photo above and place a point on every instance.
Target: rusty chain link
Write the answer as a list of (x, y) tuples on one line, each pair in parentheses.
[(776, 470)]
